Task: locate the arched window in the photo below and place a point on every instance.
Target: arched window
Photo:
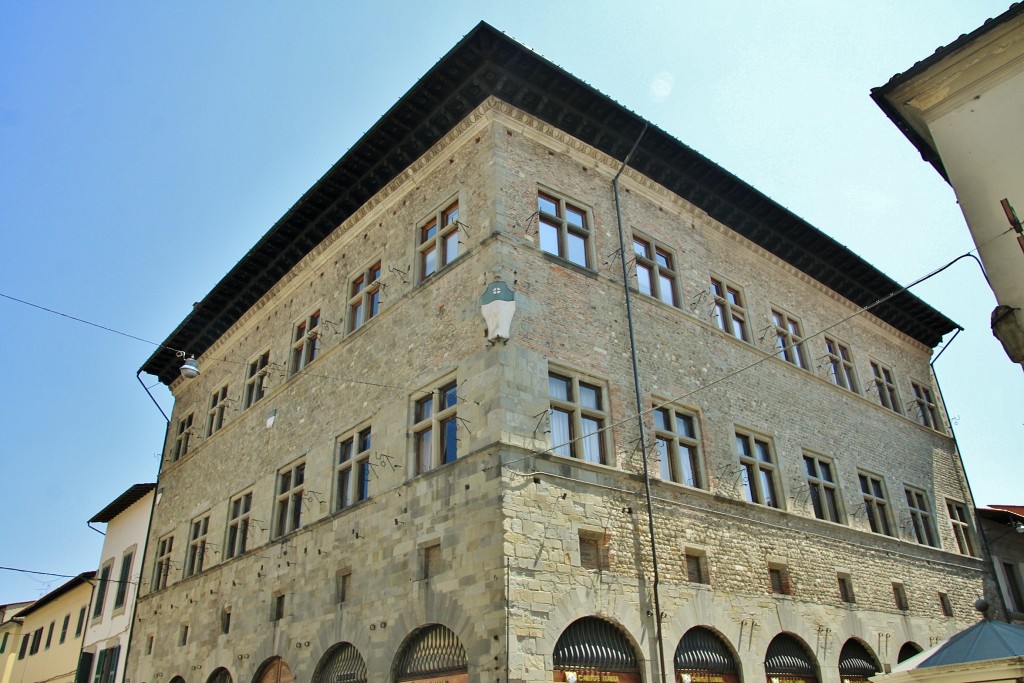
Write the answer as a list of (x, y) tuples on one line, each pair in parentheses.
[(432, 651), (908, 650), (595, 646), (789, 661), (705, 657), (274, 670), (342, 663), (856, 663), (219, 675)]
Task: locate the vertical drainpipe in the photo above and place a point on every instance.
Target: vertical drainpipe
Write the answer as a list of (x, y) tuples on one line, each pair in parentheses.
[(149, 527), (640, 408)]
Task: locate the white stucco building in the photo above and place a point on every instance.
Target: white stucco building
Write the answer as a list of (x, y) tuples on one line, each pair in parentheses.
[(962, 108), (110, 615)]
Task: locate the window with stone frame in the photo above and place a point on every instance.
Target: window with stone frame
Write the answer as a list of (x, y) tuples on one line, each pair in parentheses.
[(162, 568), (438, 242), (841, 370), (945, 605), (920, 516), (845, 582), (255, 379), (305, 342), (678, 444), (730, 310), (364, 297), (927, 410), (430, 558), (778, 579), (876, 503), (435, 428), (696, 566), (564, 229), (100, 599), (899, 595), (342, 584), (961, 527), (289, 500), (758, 470), (124, 579), (352, 469), (594, 549), (195, 555), (239, 520), (656, 274), (217, 414), (885, 387), (182, 435), (823, 488), (789, 338), (579, 414)]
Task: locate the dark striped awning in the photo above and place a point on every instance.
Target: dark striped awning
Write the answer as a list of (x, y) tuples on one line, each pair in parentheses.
[(219, 675), (342, 663), (787, 656), (592, 643), (855, 660), (435, 649), (700, 649)]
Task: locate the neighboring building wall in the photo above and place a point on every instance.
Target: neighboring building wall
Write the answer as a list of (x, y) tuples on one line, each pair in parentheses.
[(1006, 545), (962, 107), (110, 620), (51, 634), (490, 545), (10, 638)]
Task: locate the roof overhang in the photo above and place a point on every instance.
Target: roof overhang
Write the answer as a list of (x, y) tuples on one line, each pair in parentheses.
[(949, 77), (133, 495), (83, 578), (488, 63)]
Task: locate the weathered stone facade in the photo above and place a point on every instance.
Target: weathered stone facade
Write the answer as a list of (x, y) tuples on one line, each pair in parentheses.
[(509, 513)]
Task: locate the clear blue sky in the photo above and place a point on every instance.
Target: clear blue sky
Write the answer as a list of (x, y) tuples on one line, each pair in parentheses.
[(145, 147)]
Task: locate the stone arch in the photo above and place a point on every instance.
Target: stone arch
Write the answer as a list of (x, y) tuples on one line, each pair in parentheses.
[(789, 659), (220, 675), (431, 651), (702, 652), (274, 670), (177, 679), (857, 662), (909, 649), (342, 663), (592, 645)]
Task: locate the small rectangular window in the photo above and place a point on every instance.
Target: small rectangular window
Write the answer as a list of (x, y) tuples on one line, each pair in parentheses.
[(352, 469), (655, 270), (823, 488), (165, 546), (675, 434), (927, 410), (37, 639), (256, 379), (431, 561), (696, 567), (778, 578), (81, 622), (195, 556), (593, 550), (150, 639), (920, 516), (64, 628), (278, 607), (945, 605), (899, 594), (181, 437), (49, 635), (846, 588), (24, 647), (364, 297), (961, 527), (239, 517), (225, 621), (342, 582), (183, 635)]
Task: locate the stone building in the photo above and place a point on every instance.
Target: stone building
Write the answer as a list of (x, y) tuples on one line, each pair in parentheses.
[(707, 446), (1002, 528)]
